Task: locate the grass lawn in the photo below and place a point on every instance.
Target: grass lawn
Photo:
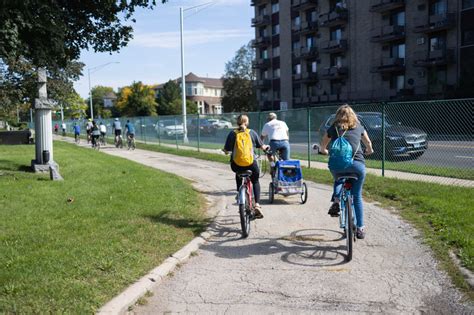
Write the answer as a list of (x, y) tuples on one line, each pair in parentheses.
[(69, 247), (443, 213)]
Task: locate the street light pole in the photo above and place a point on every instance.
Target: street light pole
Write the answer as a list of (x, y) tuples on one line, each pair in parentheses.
[(183, 80), (90, 88)]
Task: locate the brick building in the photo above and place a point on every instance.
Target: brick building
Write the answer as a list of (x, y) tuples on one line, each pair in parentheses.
[(318, 51)]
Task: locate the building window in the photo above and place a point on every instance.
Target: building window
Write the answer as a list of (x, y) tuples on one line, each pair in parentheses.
[(296, 21), (264, 54), (275, 29), (276, 51), (397, 82), (335, 87), (466, 4), (468, 37), (438, 7), (276, 73), (262, 10), (297, 69), (264, 74), (295, 45), (275, 7), (437, 43), (398, 19), (264, 95), (310, 41), (276, 94), (437, 78), (312, 90), (398, 51), (336, 34), (336, 61), (337, 5), (297, 91), (313, 67), (311, 16), (263, 32)]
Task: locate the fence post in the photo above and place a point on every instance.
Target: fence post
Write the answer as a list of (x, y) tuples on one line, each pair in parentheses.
[(144, 134), (308, 113), (383, 139), (199, 132), (176, 133), (159, 130)]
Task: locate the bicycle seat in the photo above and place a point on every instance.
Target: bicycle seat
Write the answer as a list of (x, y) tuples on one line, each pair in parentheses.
[(347, 176), (246, 173)]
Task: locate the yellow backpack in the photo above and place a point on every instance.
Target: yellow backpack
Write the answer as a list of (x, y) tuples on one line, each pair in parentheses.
[(243, 149)]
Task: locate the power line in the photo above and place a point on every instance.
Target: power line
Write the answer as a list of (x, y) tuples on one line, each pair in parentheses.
[(202, 7)]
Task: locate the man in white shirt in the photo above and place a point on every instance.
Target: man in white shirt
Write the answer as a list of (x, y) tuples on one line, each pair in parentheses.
[(278, 133)]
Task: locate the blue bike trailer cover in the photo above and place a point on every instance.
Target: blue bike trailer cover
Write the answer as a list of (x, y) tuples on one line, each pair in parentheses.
[(284, 173)]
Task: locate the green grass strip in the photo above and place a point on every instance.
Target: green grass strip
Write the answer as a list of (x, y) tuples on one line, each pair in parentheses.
[(442, 213), (70, 246)]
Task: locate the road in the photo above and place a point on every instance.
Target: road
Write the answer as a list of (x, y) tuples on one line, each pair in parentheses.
[(294, 258)]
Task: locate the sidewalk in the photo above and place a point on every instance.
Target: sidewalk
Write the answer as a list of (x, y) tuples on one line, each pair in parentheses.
[(294, 258), (378, 172)]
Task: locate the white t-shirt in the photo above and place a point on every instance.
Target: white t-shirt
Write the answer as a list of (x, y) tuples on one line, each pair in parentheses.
[(275, 130), (63, 125), (103, 128)]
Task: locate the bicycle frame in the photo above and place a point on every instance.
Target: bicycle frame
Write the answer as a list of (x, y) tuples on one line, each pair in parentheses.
[(242, 196), (346, 196)]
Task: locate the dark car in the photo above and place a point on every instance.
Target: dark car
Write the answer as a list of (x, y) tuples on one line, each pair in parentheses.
[(204, 125), (399, 140)]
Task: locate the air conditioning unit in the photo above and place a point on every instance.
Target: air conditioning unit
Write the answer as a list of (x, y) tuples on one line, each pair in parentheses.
[(421, 73), (420, 40)]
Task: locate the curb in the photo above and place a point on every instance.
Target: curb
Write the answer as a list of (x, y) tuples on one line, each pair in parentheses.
[(121, 303)]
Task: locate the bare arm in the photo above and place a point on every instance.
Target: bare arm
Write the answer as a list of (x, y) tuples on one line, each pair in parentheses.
[(367, 143), (324, 143)]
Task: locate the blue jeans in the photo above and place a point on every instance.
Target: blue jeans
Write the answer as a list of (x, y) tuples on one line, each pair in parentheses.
[(359, 169), (283, 146)]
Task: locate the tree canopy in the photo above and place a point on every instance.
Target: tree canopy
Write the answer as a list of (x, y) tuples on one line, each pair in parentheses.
[(51, 33), (238, 81), (137, 100), (170, 103)]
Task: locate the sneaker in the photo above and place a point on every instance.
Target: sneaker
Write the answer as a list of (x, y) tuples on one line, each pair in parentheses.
[(257, 213), (360, 233), (334, 210)]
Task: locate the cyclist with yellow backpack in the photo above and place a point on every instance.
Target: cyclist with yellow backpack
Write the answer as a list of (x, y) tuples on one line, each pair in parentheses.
[(241, 142)]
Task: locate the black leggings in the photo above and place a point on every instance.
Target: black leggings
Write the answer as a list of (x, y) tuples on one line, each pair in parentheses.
[(254, 178)]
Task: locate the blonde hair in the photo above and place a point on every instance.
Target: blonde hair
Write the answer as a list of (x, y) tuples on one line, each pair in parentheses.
[(346, 118), (242, 122)]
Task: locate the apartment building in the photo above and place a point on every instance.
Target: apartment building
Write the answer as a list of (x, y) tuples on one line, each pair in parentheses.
[(206, 92), (319, 51)]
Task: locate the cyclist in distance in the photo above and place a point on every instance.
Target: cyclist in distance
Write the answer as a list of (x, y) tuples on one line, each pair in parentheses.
[(95, 133), (129, 130), (277, 133), (243, 156), (103, 130), (117, 128), (89, 129), (348, 126)]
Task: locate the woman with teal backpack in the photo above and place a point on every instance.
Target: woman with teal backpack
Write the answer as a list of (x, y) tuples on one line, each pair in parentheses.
[(346, 156)]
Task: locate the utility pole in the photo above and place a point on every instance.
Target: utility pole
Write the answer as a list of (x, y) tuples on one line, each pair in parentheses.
[(183, 79)]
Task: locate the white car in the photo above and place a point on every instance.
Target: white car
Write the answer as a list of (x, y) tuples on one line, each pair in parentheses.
[(169, 128), (220, 124)]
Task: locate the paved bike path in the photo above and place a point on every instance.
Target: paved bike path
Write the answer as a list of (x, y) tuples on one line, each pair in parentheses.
[(293, 261)]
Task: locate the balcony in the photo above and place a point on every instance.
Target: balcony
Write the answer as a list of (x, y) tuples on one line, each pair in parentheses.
[(334, 18), (309, 77), (261, 20), (388, 65), (388, 33), (435, 23), (334, 46), (309, 52), (308, 4), (262, 63), (297, 77), (437, 57), (382, 6), (261, 41), (334, 73), (298, 100), (295, 4), (309, 26), (257, 2), (263, 84)]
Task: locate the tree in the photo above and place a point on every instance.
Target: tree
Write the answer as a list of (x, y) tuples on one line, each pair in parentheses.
[(239, 93), (137, 100), (51, 33), (98, 93), (170, 103)]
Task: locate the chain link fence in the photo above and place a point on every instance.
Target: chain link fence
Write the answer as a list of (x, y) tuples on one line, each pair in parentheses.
[(426, 137)]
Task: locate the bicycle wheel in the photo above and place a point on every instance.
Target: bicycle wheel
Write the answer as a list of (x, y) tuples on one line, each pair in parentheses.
[(304, 193), (244, 212), (349, 229), (271, 193)]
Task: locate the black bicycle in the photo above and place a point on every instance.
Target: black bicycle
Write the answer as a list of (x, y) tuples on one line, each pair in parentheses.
[(246, 201)]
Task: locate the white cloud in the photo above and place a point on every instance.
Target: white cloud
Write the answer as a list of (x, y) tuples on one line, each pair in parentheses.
[(191, 38)]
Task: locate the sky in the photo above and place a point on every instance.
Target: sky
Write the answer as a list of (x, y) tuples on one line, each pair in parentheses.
[(211, 37)]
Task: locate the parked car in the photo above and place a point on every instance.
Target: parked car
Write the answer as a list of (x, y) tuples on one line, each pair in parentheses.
[(399, 140), (205, 126), (220, 124), (169, 128)]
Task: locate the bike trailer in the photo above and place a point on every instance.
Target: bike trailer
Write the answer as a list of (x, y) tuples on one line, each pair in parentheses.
[(289, 177)]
